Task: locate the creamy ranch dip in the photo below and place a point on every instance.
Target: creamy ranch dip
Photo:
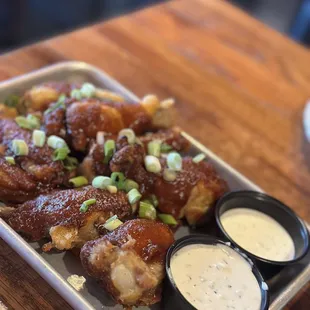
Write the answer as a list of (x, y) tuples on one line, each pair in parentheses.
[(215, 277), (258, 233)]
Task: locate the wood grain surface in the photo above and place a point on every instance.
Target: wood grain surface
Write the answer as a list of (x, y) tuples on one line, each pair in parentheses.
[(240, 89)]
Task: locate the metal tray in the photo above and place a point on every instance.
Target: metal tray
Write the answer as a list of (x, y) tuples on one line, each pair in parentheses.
[(56, 267)]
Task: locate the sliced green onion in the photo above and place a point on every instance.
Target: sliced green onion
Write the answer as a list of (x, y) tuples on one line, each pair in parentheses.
[(12, 101), (101, 182), (138, 141), (112, 223), (129, 134), (112, 189), (174, 161), (130, 184), (70, 163), (109, 149), (76, 94), (10, 160), (154, 200), (118, 179), (165, 148), (60, 154), (167, 219), (153, 148), (20, 147), (79, 181), (38, 138), (88, 90), (152, 164), (198, 158), (33, 121), (59, 104), (86, 204), (147, 211), (56, 142), (133, 196), (169, 175), (22, 122)]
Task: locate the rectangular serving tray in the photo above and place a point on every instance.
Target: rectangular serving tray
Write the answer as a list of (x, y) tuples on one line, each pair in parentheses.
[(56, 267)]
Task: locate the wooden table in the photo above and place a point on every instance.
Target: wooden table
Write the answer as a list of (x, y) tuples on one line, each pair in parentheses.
[(240, 89)]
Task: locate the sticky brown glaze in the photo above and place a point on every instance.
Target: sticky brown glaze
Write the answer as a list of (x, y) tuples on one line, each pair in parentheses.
[(86, 118), (129, 262), (191, 194), (15, 184), (171, 137), (54, 123), (38, 163), (39, 97), (134, 116), (59, 213)]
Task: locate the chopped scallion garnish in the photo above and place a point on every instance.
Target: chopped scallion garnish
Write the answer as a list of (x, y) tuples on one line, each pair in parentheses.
[(20, 147), (79, 181), (76, 94), (70, 163), (198, 158), (88, 90), (153, 148), (165, 148), (10, 160), (147, 211), (12, 101), (130, 184), (22, 122), (152, 164), (154, 200), (59, 104), (168, 219), (129, 134), (112, 223), (112, 189), (56, 142), (134, 196), (38, 138), (33, 121), (118, 179), (169, 175), (86, 204), (109, 149), (174, 161), (101, 182), (61, 153)]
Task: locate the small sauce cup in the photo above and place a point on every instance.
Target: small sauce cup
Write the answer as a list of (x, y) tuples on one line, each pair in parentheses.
[(275, 209), (172, 296)]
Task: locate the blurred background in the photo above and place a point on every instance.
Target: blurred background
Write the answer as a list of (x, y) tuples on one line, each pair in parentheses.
[(26, 21)]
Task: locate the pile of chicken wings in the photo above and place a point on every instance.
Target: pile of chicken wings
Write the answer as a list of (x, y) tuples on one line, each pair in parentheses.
[(80, 167)]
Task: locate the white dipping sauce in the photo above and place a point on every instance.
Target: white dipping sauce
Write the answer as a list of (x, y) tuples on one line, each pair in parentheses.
[(258, 233), (215, 277)]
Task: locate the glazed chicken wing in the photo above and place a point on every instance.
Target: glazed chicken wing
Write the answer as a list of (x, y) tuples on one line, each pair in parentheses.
[(93, 164), (129, 262), (57, 216), (37, 169), (190, 195)]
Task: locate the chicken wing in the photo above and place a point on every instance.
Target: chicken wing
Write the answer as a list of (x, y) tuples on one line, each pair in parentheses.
[(93, 164), (192, 194), (39, 97), (37, 168), (129, 262), (57, 216)]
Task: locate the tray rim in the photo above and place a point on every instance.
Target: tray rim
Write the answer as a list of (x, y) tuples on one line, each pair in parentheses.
[(38, 263)]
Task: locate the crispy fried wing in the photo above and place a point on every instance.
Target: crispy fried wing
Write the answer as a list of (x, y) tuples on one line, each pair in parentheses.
[(191, 194), (58, 216), (39, 97), (129, 262), (37, 168), (93, 164)]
